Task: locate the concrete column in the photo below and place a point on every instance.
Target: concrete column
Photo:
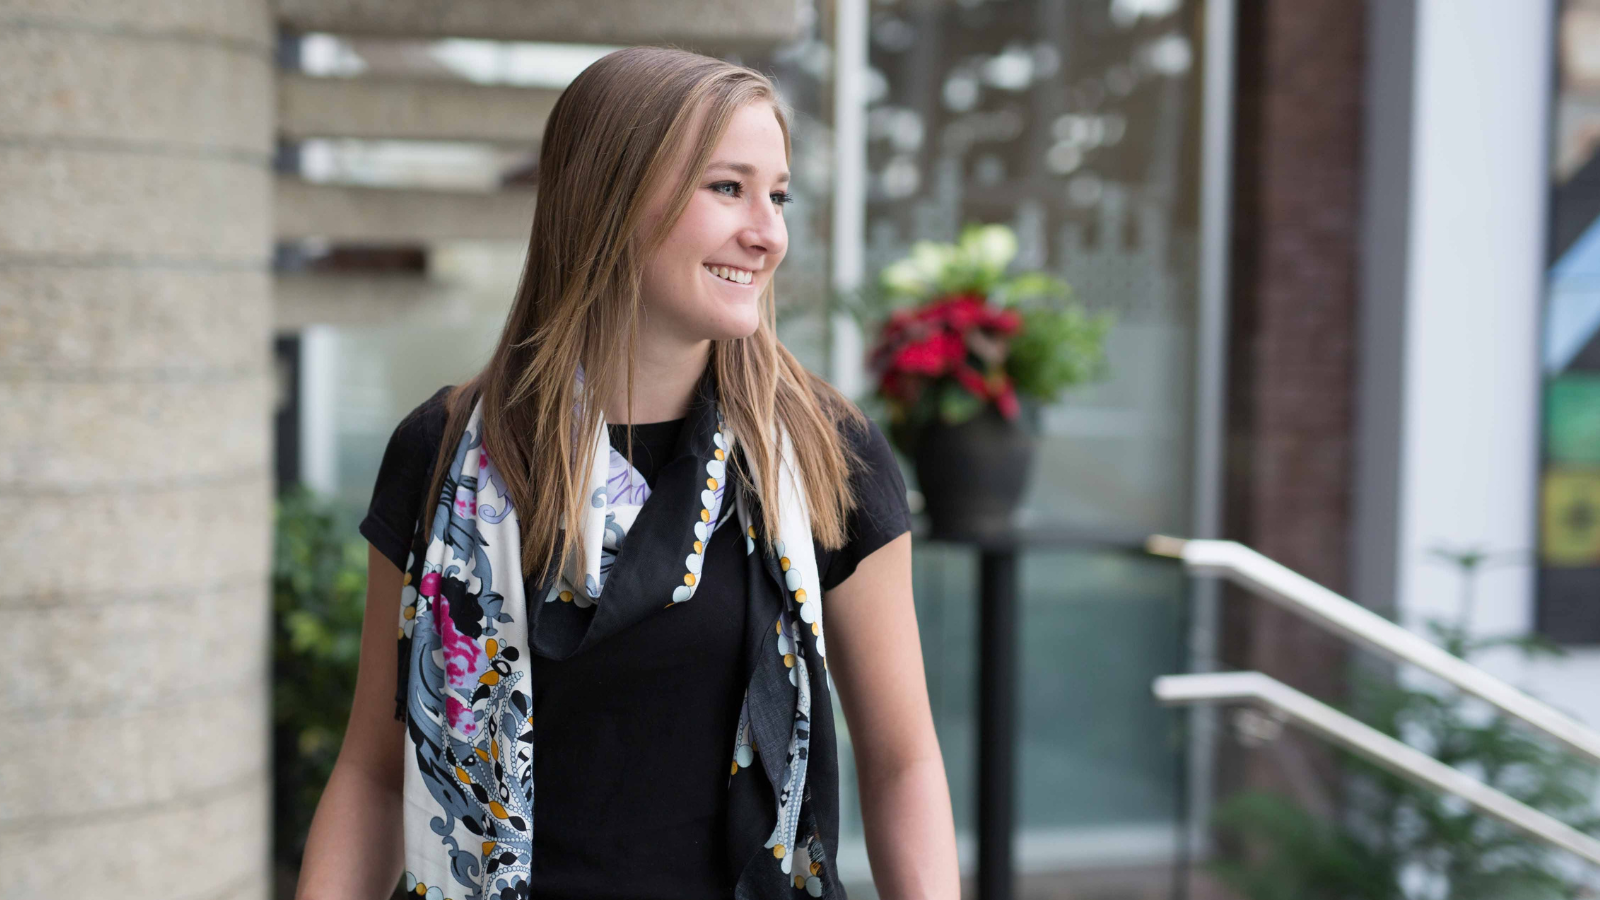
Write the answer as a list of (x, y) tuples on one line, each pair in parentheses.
[(135, 497), (1457, 146)]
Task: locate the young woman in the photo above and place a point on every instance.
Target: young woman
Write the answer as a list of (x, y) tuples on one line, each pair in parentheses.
[(610, 551)]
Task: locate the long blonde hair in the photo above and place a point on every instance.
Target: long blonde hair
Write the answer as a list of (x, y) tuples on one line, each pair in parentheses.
[(614, 137)]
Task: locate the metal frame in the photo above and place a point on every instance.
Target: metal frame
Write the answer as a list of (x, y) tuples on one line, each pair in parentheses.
[(1408, 762), (852, 19), (1219, 29)]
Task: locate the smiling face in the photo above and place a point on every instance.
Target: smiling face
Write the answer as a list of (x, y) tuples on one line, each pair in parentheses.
[(704, 281)]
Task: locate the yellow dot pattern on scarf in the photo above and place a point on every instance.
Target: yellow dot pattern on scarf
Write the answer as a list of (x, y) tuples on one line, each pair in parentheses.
[(705, 516), (413, 886)]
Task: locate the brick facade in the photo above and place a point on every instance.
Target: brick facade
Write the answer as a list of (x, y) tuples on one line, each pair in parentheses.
[(1291, 391)]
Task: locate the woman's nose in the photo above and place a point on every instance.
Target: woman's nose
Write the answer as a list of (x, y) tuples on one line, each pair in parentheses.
[(765, 232)]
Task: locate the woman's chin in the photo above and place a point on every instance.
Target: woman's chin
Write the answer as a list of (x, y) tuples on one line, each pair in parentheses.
[(735, 330), (734, 319)]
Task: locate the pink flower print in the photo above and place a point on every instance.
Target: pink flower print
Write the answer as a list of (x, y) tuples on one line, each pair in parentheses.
[(459, 715), (464, 498), (430, 584), (463, 663)]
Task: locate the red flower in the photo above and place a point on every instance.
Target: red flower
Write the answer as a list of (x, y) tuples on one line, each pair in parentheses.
[(918, 346), (932, 356), (964, 312), (899, 386), (1005, 321), (972, 381), (960, 312), (895, 326)]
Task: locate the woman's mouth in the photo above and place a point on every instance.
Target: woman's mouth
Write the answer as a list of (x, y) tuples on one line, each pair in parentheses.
[(729, 273)]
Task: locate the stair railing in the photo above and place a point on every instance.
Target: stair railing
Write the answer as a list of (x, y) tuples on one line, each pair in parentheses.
[(1322, 607)]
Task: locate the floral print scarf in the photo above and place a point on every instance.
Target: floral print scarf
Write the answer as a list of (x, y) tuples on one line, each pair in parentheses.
[(469, 624)]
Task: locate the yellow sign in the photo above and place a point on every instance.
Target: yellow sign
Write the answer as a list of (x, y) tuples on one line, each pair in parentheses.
[(1571, 517)]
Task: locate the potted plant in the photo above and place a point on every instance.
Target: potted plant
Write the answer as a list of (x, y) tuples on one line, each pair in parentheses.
[(963, 356)]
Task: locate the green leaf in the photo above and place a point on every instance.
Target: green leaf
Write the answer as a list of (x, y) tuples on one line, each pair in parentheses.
[(319, 585), (957, 404), (1056, 349)]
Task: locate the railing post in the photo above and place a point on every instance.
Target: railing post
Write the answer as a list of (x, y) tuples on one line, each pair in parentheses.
[(997, 717)]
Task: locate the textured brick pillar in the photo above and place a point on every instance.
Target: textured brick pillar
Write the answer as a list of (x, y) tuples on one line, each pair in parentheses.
[(135, 499), (1301, 72)]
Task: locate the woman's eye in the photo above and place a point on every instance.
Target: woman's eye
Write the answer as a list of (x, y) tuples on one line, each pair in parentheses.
[(782, 197), (737, 187)]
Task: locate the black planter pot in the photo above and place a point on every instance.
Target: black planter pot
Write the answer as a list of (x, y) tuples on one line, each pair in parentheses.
[(972, 475)]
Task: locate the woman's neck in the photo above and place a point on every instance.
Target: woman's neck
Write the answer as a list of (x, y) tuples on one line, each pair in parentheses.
[(664, 379)]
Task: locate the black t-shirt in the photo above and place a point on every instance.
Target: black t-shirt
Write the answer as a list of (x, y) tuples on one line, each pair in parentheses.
[(609, 822)]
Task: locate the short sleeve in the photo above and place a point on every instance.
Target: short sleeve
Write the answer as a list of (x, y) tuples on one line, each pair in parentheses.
[(881, 513), (402, 478)]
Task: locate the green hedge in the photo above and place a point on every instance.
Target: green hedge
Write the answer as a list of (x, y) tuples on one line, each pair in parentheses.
[(319, 588)]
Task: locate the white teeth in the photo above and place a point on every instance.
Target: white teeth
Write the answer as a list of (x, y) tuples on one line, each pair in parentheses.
[(737, 276)]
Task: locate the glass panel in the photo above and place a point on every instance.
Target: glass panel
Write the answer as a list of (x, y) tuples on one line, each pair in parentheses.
[(1098, 760), (1076, 124), (1073, 123), (1097, 628)]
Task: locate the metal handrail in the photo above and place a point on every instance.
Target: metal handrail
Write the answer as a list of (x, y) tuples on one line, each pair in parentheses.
[(1403, 760), (1323, 607)]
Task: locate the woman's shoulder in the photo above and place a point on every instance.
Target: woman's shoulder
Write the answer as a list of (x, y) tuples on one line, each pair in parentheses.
[(881, 512), (424, 424), (431, 410), (415, 440), (866, 440), (875, 478), (407, 463), (860, 434)]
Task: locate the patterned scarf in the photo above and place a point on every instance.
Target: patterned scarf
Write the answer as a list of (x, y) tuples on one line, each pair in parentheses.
[(467, 631)]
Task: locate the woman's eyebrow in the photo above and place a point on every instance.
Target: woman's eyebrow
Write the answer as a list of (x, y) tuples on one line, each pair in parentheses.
[(744, 169)]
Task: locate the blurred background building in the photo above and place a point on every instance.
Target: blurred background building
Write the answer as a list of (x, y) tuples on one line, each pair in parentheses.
[(1352, 250)]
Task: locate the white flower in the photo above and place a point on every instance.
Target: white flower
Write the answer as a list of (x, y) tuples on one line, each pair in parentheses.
[(990, 246), (919, 272)]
